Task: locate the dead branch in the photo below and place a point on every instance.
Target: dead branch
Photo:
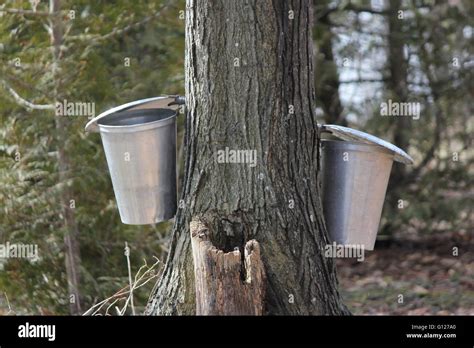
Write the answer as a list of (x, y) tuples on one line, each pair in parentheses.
[(141, 279)]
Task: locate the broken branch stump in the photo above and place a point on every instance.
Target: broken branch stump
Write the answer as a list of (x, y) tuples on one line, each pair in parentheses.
[(225, 286)]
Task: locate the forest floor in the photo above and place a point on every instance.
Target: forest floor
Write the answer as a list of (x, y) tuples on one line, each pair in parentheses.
[(422, 269)]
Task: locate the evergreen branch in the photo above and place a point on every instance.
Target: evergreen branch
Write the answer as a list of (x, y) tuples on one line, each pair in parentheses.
[(96, 38), (23, 102)]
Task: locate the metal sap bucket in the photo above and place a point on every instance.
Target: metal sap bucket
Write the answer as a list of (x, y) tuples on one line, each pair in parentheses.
[(139, 140), (355, 174)]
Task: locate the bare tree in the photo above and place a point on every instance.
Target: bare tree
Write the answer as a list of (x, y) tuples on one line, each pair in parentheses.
[(398, 81)]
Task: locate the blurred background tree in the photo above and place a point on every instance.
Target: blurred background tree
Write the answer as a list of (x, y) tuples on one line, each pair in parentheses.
[(54, 179), (369, 52)]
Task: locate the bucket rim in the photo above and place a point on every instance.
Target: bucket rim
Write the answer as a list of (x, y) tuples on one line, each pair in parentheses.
[(132, 128), (351, 134), (357, 146), (166, 102)]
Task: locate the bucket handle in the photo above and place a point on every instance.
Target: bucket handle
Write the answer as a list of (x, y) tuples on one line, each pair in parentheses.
[(351, 134), (169, 101)]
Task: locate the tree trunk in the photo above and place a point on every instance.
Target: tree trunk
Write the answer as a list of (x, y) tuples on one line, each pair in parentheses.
[(398, 84), (327, 82), (71, 244), (398, 88), (249, 86)]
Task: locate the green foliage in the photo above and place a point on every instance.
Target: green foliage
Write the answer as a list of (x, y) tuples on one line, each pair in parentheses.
[(90, 71)]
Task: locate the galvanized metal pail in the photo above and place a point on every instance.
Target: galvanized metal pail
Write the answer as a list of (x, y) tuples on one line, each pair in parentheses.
[(140, 147), (355, 174), (355, 178)]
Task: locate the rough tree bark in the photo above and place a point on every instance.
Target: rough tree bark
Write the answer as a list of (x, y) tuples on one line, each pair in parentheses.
[(249, 85)]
